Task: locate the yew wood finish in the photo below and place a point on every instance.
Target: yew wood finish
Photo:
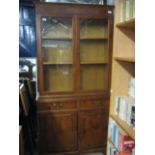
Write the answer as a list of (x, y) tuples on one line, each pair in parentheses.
[(92, 129), (58, 132), (75, 12), (92, 123), (74, 121), (73, 125)]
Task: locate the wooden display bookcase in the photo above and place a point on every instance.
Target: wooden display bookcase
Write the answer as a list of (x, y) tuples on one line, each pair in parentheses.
[(74, 76), (123, 67)]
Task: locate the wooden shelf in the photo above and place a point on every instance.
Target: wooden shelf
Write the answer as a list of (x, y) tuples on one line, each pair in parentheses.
[(81, 39), (127, 24), (105, 39), (95, 63), (115, 147), (57, 38), (129, 130), (125, 59), (57, 63)]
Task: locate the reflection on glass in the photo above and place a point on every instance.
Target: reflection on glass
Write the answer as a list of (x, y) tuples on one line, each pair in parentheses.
[(57, 52), (91, 28), (58, 78), (56, 28), (25, 13)]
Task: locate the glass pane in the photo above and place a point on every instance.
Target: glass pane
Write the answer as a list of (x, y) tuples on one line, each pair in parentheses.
[(93, 77), (56, 28), (94, 54), (58, 78), (57, 54), (92, 28)]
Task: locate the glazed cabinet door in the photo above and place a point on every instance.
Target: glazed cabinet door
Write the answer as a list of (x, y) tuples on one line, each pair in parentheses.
[(56, 54), (94, 54), (92, 129), (58, 132)]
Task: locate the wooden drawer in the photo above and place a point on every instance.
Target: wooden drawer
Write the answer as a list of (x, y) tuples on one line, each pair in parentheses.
[(89, 104), (62, 105)]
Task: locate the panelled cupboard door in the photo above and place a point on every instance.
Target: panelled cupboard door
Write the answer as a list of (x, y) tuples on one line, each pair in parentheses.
[(58, 132), (92, 129)]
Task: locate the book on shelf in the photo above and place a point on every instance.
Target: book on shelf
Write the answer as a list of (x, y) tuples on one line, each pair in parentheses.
[(127, 10), (125, 109), (122, 10), (132, 117), (111, 150), (132, 8), (126, 144), (112, 130), (127, 16), (131, 87), (114, 133), (133, 151), (120, 139)]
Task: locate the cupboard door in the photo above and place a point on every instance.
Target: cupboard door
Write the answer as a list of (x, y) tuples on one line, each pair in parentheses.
[(94, 54), (93, 126), (58, 132), (57, 54)]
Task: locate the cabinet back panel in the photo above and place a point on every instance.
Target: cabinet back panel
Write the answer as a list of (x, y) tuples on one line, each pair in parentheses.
[(93, 77), (93, 52), (58, 78), (57, 52)]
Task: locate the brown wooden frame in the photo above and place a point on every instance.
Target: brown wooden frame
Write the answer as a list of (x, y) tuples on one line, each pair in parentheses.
[(76, 12), (83, 102)]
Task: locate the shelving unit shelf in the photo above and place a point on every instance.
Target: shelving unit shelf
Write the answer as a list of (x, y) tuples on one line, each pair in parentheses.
[(123, 70), (126, 59), (127, 24)]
